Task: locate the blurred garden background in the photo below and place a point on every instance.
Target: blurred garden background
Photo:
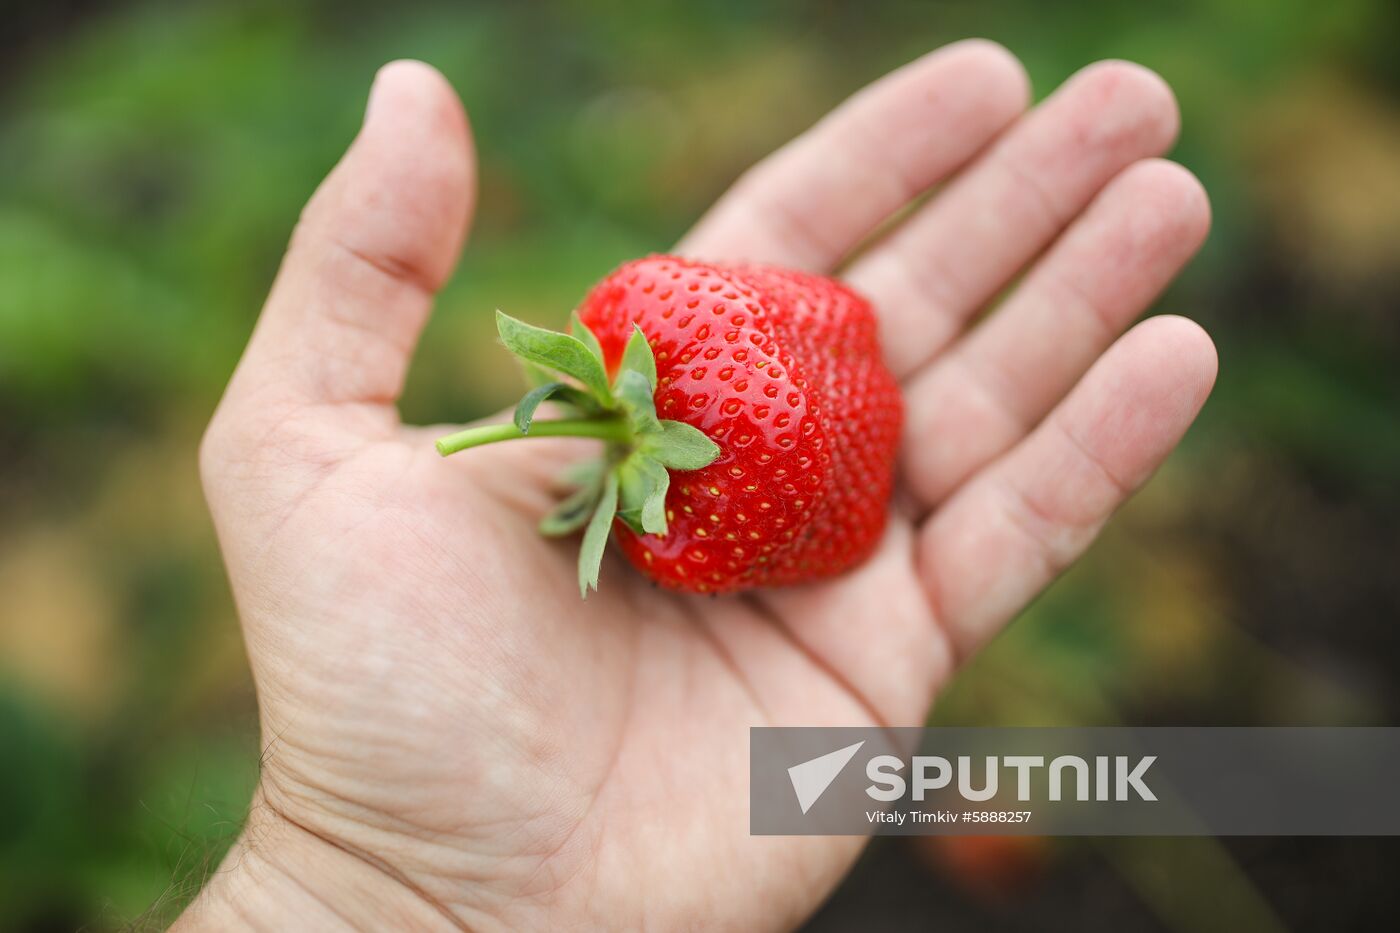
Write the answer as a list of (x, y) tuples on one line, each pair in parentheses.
[(154, 157)]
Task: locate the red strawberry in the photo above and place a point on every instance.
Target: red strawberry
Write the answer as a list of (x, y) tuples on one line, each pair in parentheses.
[(781, 370)]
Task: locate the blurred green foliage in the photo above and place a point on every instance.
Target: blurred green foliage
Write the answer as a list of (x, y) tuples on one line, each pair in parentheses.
[(154, 157)]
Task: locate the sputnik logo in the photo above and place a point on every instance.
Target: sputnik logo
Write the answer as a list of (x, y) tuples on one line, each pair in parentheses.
[(810, 779)]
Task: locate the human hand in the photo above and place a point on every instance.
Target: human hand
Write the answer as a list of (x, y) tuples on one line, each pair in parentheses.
[(452, 737)]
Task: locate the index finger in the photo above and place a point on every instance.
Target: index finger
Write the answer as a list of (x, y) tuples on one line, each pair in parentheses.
[(813, 201)]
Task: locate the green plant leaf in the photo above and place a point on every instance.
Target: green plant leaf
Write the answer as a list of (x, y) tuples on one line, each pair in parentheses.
[(595, 538), (584, 473), (634, 392), (573, 512), (654, 508), (637, 357), (559, 352), (587, 338), (535, 374), (525, 408), (679, 446), (642, 485), (559, 392)]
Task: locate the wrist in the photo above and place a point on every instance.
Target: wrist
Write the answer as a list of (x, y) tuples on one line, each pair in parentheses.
[(280, 876)]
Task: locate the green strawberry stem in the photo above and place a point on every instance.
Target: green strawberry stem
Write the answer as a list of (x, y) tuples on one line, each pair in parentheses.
[(615, 429)]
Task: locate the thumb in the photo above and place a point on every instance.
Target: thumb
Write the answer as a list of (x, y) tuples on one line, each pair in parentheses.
[(377, 240)]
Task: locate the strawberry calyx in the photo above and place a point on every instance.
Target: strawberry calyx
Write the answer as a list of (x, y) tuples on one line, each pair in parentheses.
[(630, 480)]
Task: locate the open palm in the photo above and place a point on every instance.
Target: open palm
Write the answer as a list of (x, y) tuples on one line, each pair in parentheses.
[(452, 736)]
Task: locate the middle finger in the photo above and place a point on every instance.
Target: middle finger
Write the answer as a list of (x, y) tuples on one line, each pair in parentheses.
[(933, 273)]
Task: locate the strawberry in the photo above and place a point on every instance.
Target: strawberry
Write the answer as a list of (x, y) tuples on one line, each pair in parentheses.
[(751, 423)]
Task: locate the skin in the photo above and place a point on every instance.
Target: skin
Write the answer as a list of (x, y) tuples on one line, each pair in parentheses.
[(452, 737)]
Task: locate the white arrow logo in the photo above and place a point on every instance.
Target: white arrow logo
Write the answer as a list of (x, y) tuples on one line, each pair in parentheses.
[(811, 778)]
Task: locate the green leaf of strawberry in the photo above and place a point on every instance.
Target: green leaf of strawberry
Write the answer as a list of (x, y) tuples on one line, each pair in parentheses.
[(680, 446), (587, 338), (637, 356), (595, 537), (573, 512), (634, 393), (562, 353), (642, 485), (560, 392)]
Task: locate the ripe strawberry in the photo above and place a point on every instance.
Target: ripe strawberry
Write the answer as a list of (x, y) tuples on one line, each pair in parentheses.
[(780, 426)]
